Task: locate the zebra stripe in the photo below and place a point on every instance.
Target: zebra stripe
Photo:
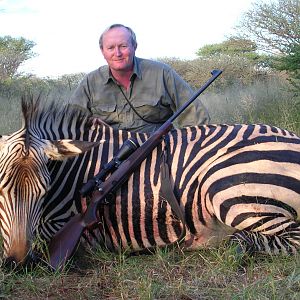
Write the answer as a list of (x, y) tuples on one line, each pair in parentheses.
[(230, 180), (213, 163)]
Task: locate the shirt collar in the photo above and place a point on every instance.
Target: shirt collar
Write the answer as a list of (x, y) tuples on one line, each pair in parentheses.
[(136, 71), (137, 67)]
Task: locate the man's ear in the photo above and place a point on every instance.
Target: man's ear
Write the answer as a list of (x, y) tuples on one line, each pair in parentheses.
[(61, 149)]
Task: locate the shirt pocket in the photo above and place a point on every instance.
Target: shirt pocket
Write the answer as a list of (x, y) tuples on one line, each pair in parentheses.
[(152, 110), (106, 111), (104, 108)]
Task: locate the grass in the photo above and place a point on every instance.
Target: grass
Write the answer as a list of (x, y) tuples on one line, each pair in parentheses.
[(203, 274), (11, 121), (268, 101)]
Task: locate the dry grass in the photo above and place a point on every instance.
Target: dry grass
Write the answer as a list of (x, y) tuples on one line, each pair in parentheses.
[(203, 274)]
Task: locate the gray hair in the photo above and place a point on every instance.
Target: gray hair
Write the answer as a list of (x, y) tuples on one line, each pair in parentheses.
[(132, 34)]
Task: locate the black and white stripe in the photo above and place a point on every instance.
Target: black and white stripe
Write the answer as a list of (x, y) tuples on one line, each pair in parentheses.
[(240, 180)]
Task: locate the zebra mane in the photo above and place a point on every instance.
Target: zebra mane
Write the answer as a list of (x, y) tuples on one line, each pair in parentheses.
[(57, 116)]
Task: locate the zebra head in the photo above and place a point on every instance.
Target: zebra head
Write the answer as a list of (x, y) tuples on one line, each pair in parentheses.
[(25, 180)]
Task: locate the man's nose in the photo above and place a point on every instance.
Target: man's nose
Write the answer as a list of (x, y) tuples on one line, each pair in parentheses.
[(118, 51)]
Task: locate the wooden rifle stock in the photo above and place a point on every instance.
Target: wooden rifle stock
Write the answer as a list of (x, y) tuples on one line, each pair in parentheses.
[(64, 243)]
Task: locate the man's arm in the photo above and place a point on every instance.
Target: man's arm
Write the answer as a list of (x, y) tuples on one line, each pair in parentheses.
[(81, 97)]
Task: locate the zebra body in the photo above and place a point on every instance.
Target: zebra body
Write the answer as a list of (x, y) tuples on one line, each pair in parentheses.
[(227, 179), (230, 180)]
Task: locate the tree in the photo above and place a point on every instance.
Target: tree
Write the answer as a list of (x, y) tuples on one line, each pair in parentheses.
[(291, 62), (237, 47), (274, 26), (233, 46), (13, 52)]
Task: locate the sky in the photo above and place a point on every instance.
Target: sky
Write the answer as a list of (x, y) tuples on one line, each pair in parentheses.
[(66, 32)]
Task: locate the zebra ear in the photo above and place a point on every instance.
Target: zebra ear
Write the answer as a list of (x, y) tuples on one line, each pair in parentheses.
[(2, 140), (61, 149)]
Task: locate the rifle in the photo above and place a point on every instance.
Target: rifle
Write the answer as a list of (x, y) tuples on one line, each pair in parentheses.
[(128, 147), (65, 241)]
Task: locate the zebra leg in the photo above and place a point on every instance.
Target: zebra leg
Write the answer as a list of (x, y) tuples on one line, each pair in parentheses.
[(285, 240)]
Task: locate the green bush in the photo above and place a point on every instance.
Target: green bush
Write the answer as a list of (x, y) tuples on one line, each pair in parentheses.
[(12, 90), (235, 70), (241, 94)]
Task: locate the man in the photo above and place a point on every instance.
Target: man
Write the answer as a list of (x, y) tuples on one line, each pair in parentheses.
[(132, 93)]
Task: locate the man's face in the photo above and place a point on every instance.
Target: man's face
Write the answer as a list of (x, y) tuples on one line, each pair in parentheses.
[(118, 50)]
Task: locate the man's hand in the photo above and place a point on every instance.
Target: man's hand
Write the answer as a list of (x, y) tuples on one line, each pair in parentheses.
[(97, 121)]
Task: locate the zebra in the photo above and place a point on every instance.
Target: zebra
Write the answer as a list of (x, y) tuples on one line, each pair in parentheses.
[(232, 182)]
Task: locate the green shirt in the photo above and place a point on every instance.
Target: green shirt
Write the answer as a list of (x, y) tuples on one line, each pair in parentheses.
[(156, 92)]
